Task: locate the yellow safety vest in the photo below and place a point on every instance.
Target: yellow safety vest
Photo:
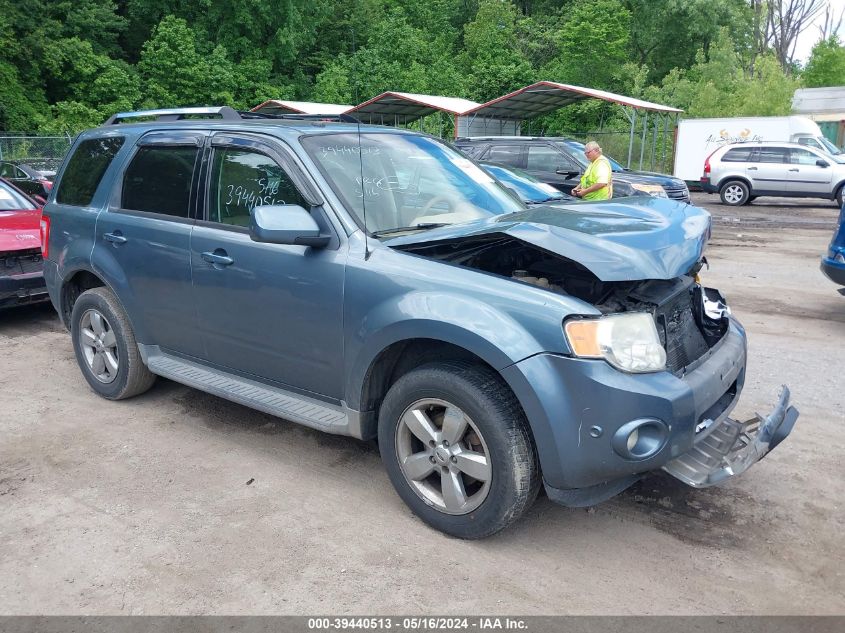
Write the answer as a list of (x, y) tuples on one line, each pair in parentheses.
[(598, 171)]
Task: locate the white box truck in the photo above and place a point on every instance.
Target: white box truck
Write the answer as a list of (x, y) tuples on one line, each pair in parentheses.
[(698, 138)]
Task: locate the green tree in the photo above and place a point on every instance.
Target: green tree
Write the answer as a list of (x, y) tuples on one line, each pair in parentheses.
[(176, 72), (719, 85), (826, 66), (491, 58), (667, 34)]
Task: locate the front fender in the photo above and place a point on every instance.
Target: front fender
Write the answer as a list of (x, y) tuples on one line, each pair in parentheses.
[(494, 336)]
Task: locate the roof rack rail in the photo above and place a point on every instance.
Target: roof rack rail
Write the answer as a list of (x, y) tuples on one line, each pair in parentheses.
[(176, 114), (294, 116)]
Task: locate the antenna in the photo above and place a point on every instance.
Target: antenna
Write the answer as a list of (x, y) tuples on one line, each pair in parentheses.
[(360, 148)]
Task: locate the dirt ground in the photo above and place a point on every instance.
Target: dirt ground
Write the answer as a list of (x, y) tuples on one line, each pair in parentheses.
[(146, 506)]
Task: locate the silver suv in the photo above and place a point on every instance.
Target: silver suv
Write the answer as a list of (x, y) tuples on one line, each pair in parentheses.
[(744, 171)]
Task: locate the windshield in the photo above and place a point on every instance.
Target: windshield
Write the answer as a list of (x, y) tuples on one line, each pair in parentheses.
[(528, 188), (408, 181), (829, 147), (578, 153)]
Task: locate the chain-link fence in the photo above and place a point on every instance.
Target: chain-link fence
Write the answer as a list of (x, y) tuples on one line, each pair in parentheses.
[(41, 152)]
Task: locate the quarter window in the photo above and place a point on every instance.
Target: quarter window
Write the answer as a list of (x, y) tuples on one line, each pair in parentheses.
[(158, 180), (242, 180), (85, 170), (737, 155)]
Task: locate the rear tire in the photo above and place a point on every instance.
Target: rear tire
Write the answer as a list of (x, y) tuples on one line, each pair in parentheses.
[(840, 197), (734, 193), (105, 346), (443, 419)]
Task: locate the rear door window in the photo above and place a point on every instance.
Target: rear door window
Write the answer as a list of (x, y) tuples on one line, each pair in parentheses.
[(85, 170), (471, 150), (547, 158), (505, 155), (772, 155), (244, 179), (158, 180)]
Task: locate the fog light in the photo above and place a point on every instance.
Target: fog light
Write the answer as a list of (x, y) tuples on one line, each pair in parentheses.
[(840, 258), (640, 439), (632, 439)]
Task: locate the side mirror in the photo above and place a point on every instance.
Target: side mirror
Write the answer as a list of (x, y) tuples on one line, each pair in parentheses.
[(285, 224), (566, 171), (822, 163)]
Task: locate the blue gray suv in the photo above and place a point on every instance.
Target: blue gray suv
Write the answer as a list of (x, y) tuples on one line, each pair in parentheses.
[(373, 282)]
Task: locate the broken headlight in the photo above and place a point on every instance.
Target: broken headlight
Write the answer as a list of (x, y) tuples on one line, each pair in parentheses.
[(627, 341)]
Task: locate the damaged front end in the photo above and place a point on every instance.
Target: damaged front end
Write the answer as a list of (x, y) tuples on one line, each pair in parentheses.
[(616, 274), (732, 447), (690, 319)]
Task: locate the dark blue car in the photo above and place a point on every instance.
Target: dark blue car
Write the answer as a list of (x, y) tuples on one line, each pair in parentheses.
[(373, 282), (834, 264)]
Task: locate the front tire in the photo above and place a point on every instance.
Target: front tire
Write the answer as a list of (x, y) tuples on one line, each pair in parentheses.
[(105, 346), (457, 448), (840, 197), (734, 193)]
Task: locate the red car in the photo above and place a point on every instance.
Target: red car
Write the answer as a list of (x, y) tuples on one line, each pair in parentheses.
[(21, 277)]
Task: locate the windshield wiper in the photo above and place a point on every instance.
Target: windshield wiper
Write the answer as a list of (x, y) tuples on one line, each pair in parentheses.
[(416, 227)]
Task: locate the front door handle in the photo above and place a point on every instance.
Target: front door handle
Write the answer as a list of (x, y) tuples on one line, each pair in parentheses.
[(218, 258), (115, 238), (794, 169)]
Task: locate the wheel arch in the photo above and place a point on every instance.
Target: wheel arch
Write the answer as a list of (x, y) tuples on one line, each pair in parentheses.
[(77, 282), (743, 179), (402, 356)]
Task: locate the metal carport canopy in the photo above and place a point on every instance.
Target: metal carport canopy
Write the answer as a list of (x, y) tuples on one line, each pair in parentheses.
[(547, 96), (280, 106), (407, 107)]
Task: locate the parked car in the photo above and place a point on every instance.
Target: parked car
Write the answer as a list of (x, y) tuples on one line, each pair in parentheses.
[(560, 162), (833, 265), (626, 214), (21, 277), (373, 282), (698, 138), (526, 187), (739, 173), (27, 178)]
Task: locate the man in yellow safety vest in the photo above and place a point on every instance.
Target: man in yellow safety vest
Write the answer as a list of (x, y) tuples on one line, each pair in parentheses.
[(597, 181)]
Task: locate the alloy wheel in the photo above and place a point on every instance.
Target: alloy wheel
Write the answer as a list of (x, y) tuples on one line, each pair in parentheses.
[(734, 194), (99, 346), (443, 456)]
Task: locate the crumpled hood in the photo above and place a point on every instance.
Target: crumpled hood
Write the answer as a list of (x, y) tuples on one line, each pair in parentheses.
[(651, 238), (20, 230)]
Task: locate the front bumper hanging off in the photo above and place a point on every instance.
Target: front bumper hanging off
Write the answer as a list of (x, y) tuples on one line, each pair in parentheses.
[(732, 447)]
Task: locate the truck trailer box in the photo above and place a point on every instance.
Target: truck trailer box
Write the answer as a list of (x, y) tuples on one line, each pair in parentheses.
[(698, 138)]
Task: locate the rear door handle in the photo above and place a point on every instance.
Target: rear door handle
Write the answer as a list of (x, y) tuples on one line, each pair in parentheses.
[(794, 169), (218, 258), (752, 169), (115, 237)]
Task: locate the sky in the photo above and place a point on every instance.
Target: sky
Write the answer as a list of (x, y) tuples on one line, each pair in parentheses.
[(811, 35)]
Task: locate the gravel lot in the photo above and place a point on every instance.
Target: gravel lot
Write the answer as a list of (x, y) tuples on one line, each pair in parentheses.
[(145, 506)]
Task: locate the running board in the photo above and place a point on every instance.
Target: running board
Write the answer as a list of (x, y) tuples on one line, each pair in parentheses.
[(291, 406)]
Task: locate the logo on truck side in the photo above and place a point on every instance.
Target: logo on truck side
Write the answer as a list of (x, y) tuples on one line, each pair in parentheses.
[(725, 137)]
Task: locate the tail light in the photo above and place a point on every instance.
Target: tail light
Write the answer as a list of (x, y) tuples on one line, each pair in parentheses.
[(707, 164), (45, 236), (47, 184)]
